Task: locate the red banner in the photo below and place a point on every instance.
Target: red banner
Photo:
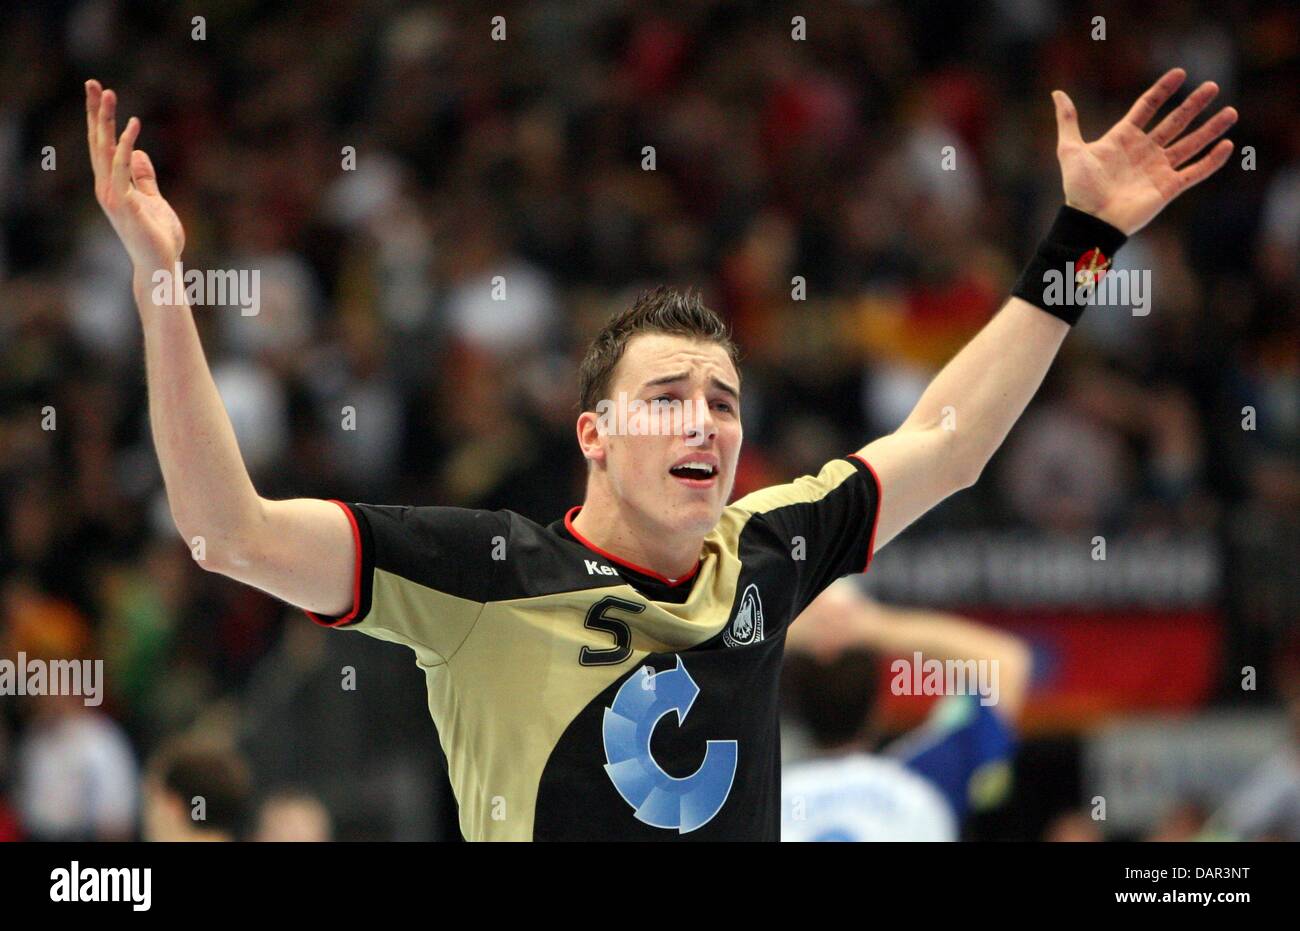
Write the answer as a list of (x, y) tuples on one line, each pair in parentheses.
[(1088, 667)]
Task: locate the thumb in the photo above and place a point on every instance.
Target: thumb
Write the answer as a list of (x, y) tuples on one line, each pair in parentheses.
[(142, 173), (1067, 120)]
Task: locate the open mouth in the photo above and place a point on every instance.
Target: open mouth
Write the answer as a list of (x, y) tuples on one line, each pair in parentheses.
[(695, 473)]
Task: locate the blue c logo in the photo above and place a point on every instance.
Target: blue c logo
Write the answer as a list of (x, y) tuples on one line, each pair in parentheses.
[(661, 800)]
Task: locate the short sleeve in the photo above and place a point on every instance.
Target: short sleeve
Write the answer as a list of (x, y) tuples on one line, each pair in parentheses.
[(422, 574), (826, 523)]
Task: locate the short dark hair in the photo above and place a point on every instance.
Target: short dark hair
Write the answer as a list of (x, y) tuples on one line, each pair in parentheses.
[(220, 777), (661, 310), (835, 699)]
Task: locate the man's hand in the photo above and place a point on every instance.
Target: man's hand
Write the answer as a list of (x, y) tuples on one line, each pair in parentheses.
[(1129, 175), (127, 188)]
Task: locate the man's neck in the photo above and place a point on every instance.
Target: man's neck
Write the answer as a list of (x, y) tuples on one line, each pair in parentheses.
[(605, 524)]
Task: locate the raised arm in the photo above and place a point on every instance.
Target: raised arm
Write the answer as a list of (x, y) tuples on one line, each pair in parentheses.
[(299, 550), (842, 618), (1124, 179)]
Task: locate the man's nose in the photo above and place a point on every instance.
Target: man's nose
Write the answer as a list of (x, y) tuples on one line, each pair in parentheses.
[(699, 425)]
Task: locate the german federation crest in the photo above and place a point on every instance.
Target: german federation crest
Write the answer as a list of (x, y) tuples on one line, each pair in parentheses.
[(747, 626)]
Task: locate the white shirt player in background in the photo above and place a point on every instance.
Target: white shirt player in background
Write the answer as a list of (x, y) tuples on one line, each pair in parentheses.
[(862, 797), (920, 787)]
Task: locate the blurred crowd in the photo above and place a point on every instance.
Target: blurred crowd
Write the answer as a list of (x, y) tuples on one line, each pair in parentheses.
[(393, 170)]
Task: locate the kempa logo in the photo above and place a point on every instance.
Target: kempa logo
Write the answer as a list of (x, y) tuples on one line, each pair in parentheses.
[(747, 626), (622, 417), (595, 568), (103, 884), (52, 677)]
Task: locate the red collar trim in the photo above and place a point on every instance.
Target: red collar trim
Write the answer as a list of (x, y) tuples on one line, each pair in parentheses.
[(568, 525)]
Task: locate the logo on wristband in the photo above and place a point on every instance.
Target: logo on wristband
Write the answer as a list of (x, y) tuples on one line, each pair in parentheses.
[(1088, 269)]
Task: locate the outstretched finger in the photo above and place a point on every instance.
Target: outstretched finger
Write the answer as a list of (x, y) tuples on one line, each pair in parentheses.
[(106, 131), (122, 157), (142, 173), (92, 95), (1149, 104), (1187, 147), (1067, 120), (1197, 172), (1167, 130)]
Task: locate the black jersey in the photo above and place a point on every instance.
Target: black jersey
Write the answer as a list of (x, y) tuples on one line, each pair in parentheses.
[(580, 697)]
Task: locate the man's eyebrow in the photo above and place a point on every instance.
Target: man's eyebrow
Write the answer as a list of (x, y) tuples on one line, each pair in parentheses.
[(723, 386), (666, 379), (682, 376)]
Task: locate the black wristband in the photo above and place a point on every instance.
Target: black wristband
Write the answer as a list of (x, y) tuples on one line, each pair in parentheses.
[(1068, 264)]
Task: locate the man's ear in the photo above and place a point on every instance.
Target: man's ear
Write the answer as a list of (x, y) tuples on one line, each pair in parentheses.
[(591, 439)]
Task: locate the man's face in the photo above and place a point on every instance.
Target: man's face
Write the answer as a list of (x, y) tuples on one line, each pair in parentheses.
[(671, 458)]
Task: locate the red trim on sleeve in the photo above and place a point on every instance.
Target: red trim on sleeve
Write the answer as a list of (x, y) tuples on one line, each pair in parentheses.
[(568, 525), (356, 574), (880, 497)]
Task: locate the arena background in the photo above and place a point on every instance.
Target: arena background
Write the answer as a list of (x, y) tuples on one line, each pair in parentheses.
[(1174, 435)]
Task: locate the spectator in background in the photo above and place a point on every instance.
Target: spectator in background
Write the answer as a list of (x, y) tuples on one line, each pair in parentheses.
[(293, 815), (196, 793), (76, 773), (74, 770)]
